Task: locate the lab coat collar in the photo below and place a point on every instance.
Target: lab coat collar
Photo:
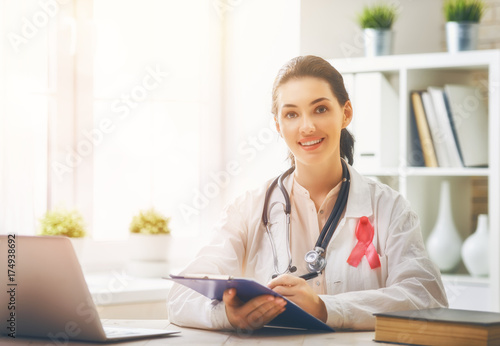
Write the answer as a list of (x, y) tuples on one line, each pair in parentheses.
[(359, 201)]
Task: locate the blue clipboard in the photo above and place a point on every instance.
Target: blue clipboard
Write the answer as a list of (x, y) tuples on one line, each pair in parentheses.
[(213, 287)]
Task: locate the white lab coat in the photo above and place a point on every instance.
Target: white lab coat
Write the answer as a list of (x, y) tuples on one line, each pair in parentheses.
[(406, 279)]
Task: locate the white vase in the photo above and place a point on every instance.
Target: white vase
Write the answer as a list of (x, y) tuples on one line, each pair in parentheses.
[(475, 249), (444, 243)]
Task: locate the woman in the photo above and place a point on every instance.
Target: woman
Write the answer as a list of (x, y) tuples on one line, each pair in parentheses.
[(392, 272)]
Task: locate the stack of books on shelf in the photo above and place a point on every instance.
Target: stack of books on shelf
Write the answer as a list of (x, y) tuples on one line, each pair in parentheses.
[(448, 127)]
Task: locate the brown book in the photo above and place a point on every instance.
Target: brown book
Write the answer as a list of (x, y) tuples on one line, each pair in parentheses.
[(438, 326), (424, 133)]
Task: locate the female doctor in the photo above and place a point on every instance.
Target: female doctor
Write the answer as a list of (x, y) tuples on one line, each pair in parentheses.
[(360, 236)]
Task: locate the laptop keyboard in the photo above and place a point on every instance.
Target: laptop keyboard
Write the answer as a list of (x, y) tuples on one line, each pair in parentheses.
[(117, 331)]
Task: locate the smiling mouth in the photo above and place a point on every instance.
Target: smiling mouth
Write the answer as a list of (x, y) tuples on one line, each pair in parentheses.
[(308, 144)]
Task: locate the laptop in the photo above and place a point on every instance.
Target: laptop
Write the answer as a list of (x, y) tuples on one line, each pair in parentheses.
[(43, 294)]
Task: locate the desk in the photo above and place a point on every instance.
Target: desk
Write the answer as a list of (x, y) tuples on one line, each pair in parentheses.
[(188, 336)]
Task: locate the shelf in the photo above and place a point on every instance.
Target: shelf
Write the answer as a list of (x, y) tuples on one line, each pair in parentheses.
[(379, 88), (394, 63), (381, 172), (465, 280), (445, 172), (113, 288), (427, 172)]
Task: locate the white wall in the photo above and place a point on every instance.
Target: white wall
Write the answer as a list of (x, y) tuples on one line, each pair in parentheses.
[(260, 37), (329, 28)]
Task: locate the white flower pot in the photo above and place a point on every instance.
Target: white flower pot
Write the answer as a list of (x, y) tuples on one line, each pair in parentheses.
[(461, 36), (377, 42), (149, 254), (149, 247)]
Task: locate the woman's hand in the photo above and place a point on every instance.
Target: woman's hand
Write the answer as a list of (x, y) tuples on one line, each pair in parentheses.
[(298, 291), (253, 314)]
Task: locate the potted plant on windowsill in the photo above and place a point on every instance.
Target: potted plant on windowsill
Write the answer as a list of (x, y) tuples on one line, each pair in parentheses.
[(68, 223), (462, 24), (150, 242), (376, 22)]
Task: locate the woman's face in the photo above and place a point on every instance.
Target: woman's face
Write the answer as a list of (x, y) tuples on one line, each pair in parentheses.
[(310, 120)]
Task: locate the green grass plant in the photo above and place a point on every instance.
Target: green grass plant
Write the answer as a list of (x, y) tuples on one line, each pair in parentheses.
[(379, 16), (463, 10)]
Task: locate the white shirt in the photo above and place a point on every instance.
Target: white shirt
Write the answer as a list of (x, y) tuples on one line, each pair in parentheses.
[(406, 279)]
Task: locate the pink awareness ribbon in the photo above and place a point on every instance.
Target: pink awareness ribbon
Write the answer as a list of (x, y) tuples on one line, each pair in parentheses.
[(364, 234)]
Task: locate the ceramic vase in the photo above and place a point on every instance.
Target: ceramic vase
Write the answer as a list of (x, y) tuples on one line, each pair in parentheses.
[(475, 249), (444, 243)]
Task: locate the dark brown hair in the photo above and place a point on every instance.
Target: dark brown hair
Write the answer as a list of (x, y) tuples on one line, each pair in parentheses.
[(313, 66)]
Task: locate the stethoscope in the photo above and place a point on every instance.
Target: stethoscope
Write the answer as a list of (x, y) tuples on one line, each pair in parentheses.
[(315, 259)]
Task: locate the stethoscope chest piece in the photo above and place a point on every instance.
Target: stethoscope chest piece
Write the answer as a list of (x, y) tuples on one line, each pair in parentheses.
[(314, 259)]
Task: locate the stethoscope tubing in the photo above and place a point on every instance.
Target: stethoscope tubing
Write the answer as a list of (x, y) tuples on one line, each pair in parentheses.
[(334, 218), (326, 232)]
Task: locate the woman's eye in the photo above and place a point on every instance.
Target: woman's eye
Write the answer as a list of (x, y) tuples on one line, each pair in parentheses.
[(290, 115), (321, 109)]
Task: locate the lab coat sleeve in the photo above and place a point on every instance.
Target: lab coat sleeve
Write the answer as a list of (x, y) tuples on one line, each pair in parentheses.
[(413, 281), (223, 255)]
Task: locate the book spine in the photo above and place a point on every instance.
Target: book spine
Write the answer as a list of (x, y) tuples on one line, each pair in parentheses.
[(423, 131), (415, 154), (437, 96), (452, 125), (437, 140)]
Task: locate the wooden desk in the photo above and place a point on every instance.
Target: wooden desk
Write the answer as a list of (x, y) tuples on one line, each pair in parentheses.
[(188, 336)]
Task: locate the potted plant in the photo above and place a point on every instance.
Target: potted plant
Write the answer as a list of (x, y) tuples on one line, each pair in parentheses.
[(68, 223), (462, 24), (376, 22), (150, 241)]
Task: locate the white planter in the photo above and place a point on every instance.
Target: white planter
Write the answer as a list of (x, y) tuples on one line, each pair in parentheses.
[(475, 249), (461, 36), (149, 255), (149, 247), (377, 42)]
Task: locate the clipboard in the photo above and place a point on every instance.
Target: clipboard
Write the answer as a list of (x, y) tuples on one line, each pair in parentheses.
[(214, 286)]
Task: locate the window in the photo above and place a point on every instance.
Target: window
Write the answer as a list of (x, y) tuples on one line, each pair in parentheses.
[(151, 71), (104, 104), (27, 101)]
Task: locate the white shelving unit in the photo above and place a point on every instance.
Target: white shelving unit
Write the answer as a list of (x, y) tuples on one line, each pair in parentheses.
[(420, 185)]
